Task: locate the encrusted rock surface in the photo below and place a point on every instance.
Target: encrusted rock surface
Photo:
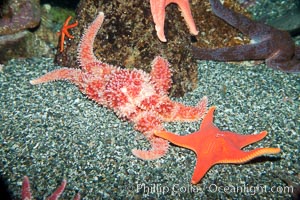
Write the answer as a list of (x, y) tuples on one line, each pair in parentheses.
[(128, 37), (19, 15)]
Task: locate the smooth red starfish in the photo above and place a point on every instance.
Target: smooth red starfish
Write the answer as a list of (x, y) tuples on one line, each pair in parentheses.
[(64, 32), (159, 13), (213, 146), (134, 95), (26, 194)]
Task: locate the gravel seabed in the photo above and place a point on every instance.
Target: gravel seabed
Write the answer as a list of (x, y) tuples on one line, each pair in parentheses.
[(52, 131)]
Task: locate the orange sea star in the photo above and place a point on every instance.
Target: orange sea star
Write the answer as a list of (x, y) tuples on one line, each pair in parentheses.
[(159, 13), (134, 95), (213, 146), (64, 32)]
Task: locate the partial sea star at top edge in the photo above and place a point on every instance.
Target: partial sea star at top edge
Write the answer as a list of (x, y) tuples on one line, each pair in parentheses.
[(213, 146), (64, 32), (133, 95), (159, 13)]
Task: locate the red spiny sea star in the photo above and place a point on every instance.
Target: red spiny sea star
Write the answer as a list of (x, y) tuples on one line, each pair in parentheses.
[(134, 95)]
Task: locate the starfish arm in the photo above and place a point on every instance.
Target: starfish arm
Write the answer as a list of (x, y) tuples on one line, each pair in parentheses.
[(161, 75), (147, 122), (159, 148), (56, 194), (77, 196), (201, 168), (208, 118), (64, 32), (243, 140), (85, 49), (59, 74), (26, 194), (171, 111), (62, 40), (257, 51), (239, 157), (187, 14), (281, 61), (158, 13), (268, 43), (67, 21), (247, 26), (186, 141), (72, 25), (235, 156)]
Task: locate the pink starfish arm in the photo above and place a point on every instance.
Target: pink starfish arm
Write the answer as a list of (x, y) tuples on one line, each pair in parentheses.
[(26, 194), (159, 13), (170, 111), (159, 147), (77, 196), (187, 14), (161, 75), (85, 48), (59, 74), (58, 191), (148, 122)]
